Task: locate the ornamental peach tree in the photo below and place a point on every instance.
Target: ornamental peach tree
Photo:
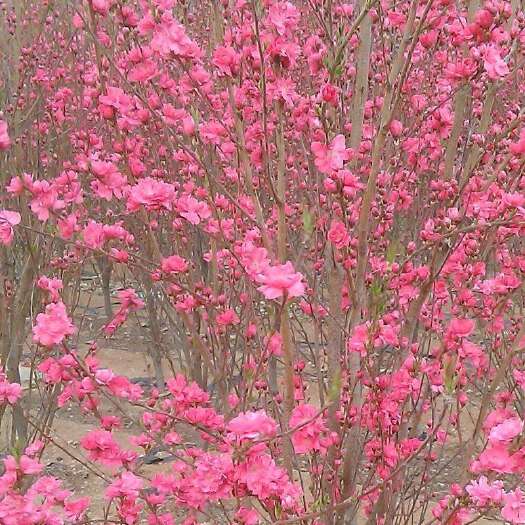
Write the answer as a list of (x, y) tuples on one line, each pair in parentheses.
[(312, 211)]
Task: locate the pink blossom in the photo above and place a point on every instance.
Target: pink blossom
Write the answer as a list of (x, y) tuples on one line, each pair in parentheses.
[(109, 181), (338, 235), (247, 516), (152, 194), (484, 493), (254, 258), (252, 425), (518, 148), (172, 115), (5, 141), (281, 280), (101, 447), (45, 199), (213, 132), (514, 506), (227, 318), (67, 226), (233, 400), (129, 302), (122, 387), (93, 235), (211, 479), (396, 128), (474, 353), (9, 392), (460, 70), (275, 344), (52, 326), (17, 185), (186, 394), (76, 508), (116, 98), (127, 486), (496, 458), (330, 158), (51, 285), (461, 327), (170, 38), (329, 94), (264, 479), (505, 432), (192, 210), (484, 18), (308, 437), (283, 16), (251, 330), (226, 60), (101, 6), (495, 66), (29, 466), (8, 219), (359, 339), (174, 264), (143, 71)]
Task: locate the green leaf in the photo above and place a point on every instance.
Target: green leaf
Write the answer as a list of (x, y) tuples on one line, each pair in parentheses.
[(335, 387), (308, 222), (376, 288), (196, 115), (449, 373), (338, 70), (17, 449), (392, 251)]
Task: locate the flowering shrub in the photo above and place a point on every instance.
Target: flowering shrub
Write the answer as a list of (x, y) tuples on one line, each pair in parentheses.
[(312, 211)]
